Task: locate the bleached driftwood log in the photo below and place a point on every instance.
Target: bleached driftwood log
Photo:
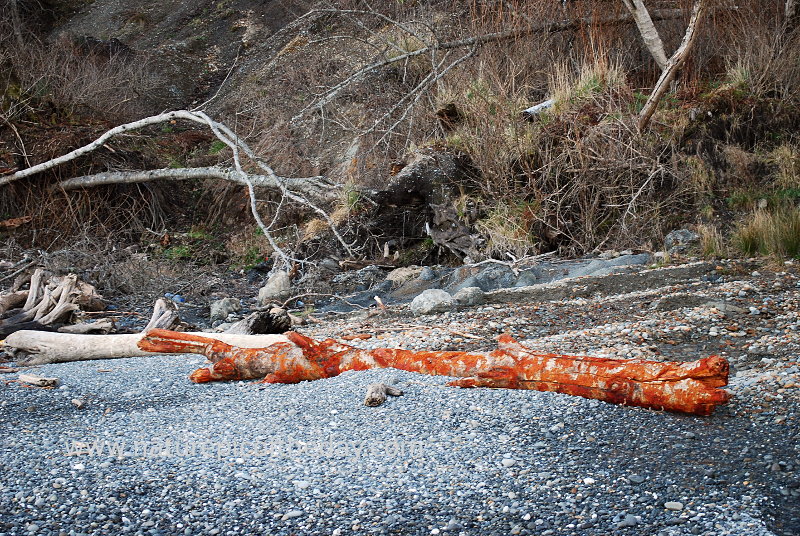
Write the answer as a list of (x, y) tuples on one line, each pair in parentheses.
[(31, 347), (42, 347), (49, 300)]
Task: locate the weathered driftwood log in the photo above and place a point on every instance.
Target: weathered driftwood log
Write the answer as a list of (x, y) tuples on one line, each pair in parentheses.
[(272, 320), (691, 387), (377, 392), (34, 347), (41, 347), (100, 327)]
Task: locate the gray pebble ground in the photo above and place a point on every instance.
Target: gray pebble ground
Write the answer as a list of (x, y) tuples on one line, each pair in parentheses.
[(246, 458)]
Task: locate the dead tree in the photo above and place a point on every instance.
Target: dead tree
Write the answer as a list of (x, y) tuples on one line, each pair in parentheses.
[(692, 387), (669, 67)]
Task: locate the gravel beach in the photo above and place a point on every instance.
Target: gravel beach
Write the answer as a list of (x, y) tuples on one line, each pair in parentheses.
[(151, 453)]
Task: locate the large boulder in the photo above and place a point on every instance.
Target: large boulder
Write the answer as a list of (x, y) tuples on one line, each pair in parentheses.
[(432, 301), (278, 288)]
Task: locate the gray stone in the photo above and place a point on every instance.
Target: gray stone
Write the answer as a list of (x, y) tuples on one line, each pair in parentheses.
[(278, 288), (629, 521), (398, 276), (427, 274), (600, 267), (528, 278), (680, 240), (432, 301), (291, 514), (220, 309), (495, 276), (470, 296), (636, 479), (675, 506)]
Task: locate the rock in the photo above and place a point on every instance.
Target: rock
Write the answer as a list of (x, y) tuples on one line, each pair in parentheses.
[(398, 276), (629, 521), (636, 479), (291, 514), (220, 309), (278, 288), (680, 240), (675, 506), (508, 462), (470, 296), (359, 280), (495, 276), (330, 264), (529, 277), (427, 274), (431, 301), (79, 403)]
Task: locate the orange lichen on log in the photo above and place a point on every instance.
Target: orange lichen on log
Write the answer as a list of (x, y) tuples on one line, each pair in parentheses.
[(691, 387)]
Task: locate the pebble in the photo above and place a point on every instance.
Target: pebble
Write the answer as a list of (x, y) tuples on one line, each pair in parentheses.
[(636, 479), (291, 514), (675, 506), (628, 521)]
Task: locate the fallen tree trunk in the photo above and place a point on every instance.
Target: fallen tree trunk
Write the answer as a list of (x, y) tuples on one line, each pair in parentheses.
[(691, 387), (30, 348)]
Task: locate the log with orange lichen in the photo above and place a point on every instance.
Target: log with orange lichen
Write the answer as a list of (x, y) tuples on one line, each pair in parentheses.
[(691, 387)]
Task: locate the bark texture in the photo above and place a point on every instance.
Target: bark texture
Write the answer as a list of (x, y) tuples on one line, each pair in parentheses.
[(691, 387)]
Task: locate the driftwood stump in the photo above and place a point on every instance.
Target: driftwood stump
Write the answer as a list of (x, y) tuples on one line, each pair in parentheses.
[(376, 394)]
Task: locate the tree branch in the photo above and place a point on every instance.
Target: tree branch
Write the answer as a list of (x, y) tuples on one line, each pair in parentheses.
[(318, 187), (550, 27)]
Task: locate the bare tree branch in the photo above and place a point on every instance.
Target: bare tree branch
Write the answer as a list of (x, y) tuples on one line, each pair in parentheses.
[(550, 27), (318, 188), (224, 134)]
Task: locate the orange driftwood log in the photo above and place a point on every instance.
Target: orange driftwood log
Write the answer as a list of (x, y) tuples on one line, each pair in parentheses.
[(690, 387)]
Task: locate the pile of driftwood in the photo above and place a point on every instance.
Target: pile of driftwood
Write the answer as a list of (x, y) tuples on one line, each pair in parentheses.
[(50, 302)]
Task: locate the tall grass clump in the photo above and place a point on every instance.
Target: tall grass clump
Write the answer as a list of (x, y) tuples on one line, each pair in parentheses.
[(775, 233)]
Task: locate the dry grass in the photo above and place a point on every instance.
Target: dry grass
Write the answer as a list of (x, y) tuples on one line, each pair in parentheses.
[(509, 229), (712, 241), (775, 233)]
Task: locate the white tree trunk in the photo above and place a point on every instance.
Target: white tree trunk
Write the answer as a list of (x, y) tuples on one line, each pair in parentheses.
[(319, 188), (42, 347), (673, 65), (648, 31)]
